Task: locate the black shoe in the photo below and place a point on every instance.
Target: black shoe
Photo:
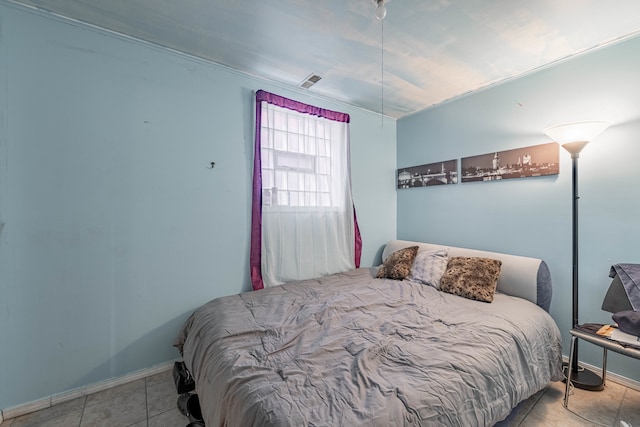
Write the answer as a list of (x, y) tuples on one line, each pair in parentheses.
[(182, 378), (189, 406), (182, 404), (193, 405)]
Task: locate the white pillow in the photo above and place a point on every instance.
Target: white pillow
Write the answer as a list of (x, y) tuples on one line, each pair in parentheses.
[(429, 266)]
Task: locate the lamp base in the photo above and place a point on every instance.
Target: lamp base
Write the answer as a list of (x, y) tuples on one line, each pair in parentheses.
[(584, 379)]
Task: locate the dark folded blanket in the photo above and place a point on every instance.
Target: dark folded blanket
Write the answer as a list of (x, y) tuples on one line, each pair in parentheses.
[(629, 275)]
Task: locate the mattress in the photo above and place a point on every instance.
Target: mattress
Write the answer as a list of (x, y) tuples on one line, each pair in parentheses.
[(349, 349)]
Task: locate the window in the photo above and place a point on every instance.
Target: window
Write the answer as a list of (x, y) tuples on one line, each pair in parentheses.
[(297, 164), (303, 219)]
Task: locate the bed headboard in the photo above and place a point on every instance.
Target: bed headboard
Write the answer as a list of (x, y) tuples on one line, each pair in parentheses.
[(520, 276)]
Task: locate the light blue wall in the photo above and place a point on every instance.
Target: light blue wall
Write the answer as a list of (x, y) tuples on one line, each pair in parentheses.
[(114, 230), (533, 216)]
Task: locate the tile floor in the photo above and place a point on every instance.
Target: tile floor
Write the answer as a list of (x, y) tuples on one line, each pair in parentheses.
[(151, 402), (148, 402)]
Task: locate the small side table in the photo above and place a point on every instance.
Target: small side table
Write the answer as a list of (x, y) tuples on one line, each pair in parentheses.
[(606, 344)]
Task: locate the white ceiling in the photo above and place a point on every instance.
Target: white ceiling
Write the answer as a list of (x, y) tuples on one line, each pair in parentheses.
[(434, 50)]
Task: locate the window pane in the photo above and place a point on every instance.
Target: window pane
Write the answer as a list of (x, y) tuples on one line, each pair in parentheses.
[(293, 123), (323, 183), (283, 198), (293, 181), (294, 198), (266, 197), (286, 160), (322, 147), (267, 179), (293, 143), (323, 165), (294, 161), (279, 140), (310, 145), (310, 182), (265, 138), (310, 129), (310, 199), (281, 179), (279, 120), (267, 158), (327, 147)]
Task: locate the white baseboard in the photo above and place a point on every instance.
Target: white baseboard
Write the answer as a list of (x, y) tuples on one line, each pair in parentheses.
[(36, 405)]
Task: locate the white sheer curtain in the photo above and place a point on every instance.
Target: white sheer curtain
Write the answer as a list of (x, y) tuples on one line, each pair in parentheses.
[(308, 226)]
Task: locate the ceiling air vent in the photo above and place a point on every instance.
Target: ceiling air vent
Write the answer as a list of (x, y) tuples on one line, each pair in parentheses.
[(310, 81)]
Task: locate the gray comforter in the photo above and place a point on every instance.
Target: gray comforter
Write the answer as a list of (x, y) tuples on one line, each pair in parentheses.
[(349, 350)]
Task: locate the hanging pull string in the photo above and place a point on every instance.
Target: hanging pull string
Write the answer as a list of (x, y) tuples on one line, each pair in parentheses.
[(382, 74)]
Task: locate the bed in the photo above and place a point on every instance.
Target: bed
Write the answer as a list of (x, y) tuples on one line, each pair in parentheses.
[(353, 349)]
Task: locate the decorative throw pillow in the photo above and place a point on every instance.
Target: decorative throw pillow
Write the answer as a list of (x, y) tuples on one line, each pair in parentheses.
[(429, 266), (471, 277), (398, 265)]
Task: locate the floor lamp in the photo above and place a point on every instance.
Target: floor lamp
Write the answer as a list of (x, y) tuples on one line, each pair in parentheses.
[(574, 137)]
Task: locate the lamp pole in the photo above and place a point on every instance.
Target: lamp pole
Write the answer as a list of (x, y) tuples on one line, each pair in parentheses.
[(580, 377)]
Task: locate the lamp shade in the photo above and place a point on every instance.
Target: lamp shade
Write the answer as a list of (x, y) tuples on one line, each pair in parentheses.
[(573, 132)]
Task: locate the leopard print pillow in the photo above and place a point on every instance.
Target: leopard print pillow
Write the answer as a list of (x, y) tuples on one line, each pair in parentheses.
[(471, 277), (398, 265)]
